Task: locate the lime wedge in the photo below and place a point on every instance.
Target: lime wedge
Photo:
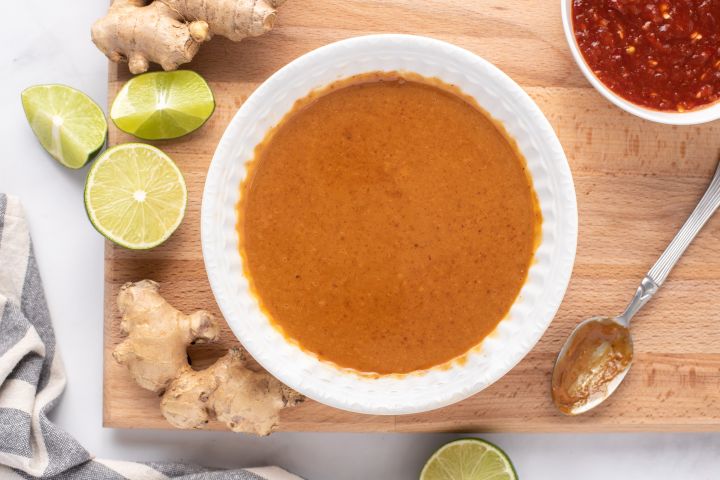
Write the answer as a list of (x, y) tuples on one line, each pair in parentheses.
[(162, 105), (70, 126), (135, 195), (468, 459)]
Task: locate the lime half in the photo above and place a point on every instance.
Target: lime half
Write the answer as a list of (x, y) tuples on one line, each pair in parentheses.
[(468, 459), (162, 105), (70, 126), (135, 195)]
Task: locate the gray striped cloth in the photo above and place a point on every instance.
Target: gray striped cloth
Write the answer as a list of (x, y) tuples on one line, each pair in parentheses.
[(32, 378)]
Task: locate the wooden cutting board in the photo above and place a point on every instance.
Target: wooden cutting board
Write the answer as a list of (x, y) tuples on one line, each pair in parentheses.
[(636, 183)]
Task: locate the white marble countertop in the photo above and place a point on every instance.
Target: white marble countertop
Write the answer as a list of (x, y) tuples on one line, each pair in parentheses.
[(49, 42)]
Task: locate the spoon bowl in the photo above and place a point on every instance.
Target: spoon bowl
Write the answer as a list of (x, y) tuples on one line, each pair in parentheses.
[(591, 364)]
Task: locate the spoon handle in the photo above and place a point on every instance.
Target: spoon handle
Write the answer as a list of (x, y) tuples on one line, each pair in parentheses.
[(660, 271), (697, 219)]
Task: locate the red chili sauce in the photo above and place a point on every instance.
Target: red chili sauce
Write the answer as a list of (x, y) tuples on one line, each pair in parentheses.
[(661, 54)]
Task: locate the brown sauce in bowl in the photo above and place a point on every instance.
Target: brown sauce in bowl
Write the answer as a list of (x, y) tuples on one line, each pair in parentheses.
[(387, 223)]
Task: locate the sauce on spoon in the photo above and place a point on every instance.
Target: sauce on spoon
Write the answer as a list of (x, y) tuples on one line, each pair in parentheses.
[(599, 351)]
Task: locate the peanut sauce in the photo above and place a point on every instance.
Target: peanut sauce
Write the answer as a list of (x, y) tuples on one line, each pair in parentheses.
[(387, 223), (599, 352)]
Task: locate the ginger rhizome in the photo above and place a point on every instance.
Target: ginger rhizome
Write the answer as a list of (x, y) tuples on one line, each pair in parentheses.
[(158, 335), (243, 399), (246, 399), (170, 32)]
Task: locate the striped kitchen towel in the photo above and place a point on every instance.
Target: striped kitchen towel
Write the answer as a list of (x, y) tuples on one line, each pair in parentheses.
[(32, 378)]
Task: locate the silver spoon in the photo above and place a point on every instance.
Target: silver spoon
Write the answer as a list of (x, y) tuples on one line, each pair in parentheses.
[(598, 353)]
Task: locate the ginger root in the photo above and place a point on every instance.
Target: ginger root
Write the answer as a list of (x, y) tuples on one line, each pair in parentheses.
[(245, 399), (158, 335), (170, 32)]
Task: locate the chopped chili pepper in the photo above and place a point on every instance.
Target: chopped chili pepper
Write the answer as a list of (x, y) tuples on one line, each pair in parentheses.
[(661, 54)]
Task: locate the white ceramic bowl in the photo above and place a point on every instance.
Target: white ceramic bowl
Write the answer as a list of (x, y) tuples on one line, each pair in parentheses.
[(692, 117), (539, 298)]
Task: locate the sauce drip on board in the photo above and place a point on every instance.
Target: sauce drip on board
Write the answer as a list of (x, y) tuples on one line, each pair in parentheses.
[(387, 223), (661, 54), (598, 353)]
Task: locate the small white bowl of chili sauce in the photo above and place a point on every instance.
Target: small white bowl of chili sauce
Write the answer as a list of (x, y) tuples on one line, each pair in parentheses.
[(656, 59)]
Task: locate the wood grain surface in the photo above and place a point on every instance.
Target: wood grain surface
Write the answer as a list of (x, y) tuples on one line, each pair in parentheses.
[(636, 183)]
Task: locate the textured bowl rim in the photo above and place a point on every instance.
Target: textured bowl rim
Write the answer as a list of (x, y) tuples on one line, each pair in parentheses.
[(540, 297), (691, 117)]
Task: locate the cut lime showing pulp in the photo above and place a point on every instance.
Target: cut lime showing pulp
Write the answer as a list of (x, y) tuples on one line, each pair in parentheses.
[(135, 195), (163, 105), (468, 459), (68, 124)]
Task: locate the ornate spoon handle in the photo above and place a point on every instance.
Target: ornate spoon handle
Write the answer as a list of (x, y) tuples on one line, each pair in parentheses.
[(660, 271)]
